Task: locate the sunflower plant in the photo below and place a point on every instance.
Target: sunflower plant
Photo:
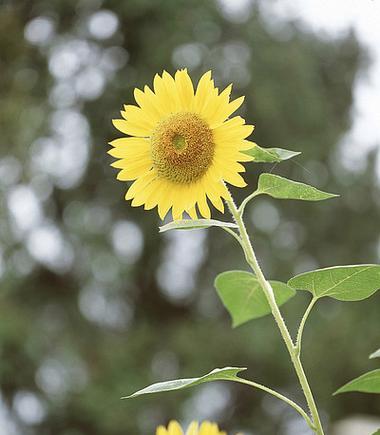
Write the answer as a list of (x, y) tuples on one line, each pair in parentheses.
[(181, 147)]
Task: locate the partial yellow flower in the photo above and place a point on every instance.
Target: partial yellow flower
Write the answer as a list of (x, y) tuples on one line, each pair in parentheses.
[(181, 146), (206, 428)]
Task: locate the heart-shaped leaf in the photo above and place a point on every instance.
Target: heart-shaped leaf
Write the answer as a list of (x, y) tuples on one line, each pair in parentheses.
[(375, 354), (225, 374), (270, 155), (283, 188), (367, 383), (344, 283), (244, 298), (196, 224)]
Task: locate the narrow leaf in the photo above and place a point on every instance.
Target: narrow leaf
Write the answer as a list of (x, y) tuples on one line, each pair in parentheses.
[(225, 374), (244, 298), (270, 155), (190, 224), (375, 354), (345, 283), (283, 188), (367, 383)]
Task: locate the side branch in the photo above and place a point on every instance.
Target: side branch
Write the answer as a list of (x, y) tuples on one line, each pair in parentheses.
[(302, 325), (281, 397)]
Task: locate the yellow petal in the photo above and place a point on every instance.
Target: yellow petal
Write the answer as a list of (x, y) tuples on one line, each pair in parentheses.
[(174, 428), (140, 184), (132, 172), (139, 149), (192, 429), (216, 105), (203, 207), (144, 100), (127, 141), (131, 129), (205, 90), (185, 89), (137, 116), (161, 431), (235, 179), (206, 428), (164, 88)]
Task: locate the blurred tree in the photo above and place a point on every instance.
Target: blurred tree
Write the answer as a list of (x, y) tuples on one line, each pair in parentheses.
[(94, 302)]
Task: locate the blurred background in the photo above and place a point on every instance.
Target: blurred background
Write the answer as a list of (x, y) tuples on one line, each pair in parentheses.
[(94, 302)]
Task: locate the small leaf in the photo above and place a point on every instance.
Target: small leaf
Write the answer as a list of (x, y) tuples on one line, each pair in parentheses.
[(344, 283), (375, 354), (196, 224), (283, 188), (244, 298), (270, 155), (225, 374), (367, 383)]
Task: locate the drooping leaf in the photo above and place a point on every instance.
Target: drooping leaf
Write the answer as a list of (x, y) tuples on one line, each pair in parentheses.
[(344, 283), (224, 374), (283, 188), (270, 155), (375, 354), (244, 298), (196, 224), (367, 383)]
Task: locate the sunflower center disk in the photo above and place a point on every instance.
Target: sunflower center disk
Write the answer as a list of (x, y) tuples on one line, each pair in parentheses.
[(182, 148)]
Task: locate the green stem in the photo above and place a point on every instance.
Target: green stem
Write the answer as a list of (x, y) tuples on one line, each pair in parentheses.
[(302, 325), (246, 201), (267, 288), (279, 396)]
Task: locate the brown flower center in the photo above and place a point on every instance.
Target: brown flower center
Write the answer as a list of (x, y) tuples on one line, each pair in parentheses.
[(182, 147)]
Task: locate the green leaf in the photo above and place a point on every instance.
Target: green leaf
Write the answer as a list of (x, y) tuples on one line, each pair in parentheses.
[(270, 155), (244, 298), (367, 383), (283, 188), (377, 432), (225, 374), (190, 224), (345, 283), (375, 354)]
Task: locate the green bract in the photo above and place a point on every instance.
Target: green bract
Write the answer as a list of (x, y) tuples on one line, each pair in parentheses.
[(244, 298), (225, 374), (271, 155), (345, 283)]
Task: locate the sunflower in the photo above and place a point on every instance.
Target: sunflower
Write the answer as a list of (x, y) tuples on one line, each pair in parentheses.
[(206, 428), (181, 146)]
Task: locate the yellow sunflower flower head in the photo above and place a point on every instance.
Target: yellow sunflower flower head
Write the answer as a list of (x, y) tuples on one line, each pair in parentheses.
[(181, 146), (206, 428)]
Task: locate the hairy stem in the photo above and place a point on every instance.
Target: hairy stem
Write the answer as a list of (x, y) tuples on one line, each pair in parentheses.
[(268, 291)]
